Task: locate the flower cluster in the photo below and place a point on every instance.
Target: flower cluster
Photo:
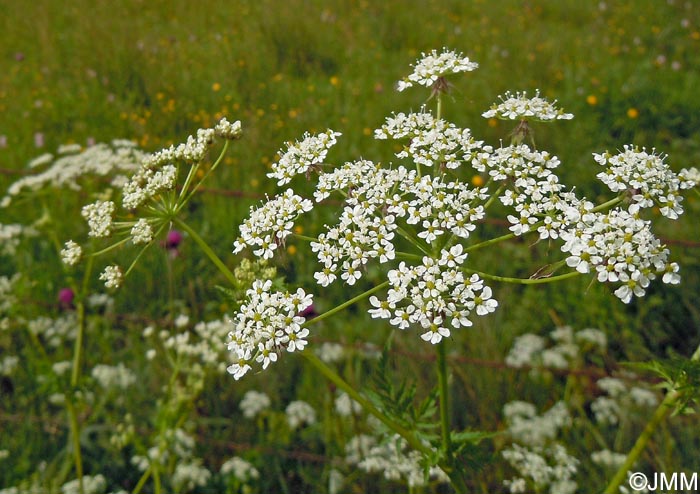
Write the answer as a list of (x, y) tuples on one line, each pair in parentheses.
[(153, 184), (298, 413), (201, 348), (112, 276), (147, 183), (567, 349), (141, 232), (192, 150), (71, 253), (11, 235), (434, 295), (618, 399), (433, 206), (240, 469), (520, 107), (268, 226), (429, 68), (99, 218), (432, 141), (619, 247), (393, 459), (228, 130), (551, 467), (527, 427), (647, 178), (301, 156), (253, 403), (536, 193), (113, 377), (267, 323), (67, 170)]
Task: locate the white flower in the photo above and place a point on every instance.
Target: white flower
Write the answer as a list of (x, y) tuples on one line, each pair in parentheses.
[(190, 474), (526, 427), (434, 295), (647, 177), (431, 141), (228, 130), (71, 253), (240, 469), (66, 171), (393, 459), (606, 410), (300, 156), (91, 485), (298, 413), (113, 377), (520, 107), (141, 232), (330, 352), (346, 406), (99, 218), (269, 225), (608, 459), (546, 469), (40, 160), (267, 323), (430, 67), (381, 308), (112, 276)]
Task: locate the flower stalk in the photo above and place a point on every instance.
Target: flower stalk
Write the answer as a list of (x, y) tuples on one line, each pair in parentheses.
[(663, 411)]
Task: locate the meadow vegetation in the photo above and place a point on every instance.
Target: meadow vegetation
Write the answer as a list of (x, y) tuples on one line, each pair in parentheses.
[(128, 386)]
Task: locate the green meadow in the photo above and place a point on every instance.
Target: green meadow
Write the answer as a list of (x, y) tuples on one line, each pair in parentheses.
[(153, 72)]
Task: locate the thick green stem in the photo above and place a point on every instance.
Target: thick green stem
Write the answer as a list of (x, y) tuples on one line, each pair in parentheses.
[(660, 414), (444, 401), (207, 250), (445, 424)]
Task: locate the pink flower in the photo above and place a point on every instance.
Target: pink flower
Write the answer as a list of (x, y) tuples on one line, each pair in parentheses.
[(65, 298)]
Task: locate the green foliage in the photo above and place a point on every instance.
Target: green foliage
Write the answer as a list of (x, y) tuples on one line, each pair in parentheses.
[(679, 374), (400, 403)]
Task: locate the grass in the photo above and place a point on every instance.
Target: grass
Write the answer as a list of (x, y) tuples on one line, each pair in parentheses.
[(156, 71)]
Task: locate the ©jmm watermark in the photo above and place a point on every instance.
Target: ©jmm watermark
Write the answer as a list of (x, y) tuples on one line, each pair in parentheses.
[(663, 482)]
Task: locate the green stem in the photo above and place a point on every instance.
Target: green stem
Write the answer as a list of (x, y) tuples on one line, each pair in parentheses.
[(207, 250), (492, 241), (450, 462), (660, 414), (213, 167), (348, 303), (526, 281), (444, 401), (156, 480), (143, 251), (75, 376), (608, 204), (494, 196), (305, 238), (142, 481), (110, 247), (75, 440)]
